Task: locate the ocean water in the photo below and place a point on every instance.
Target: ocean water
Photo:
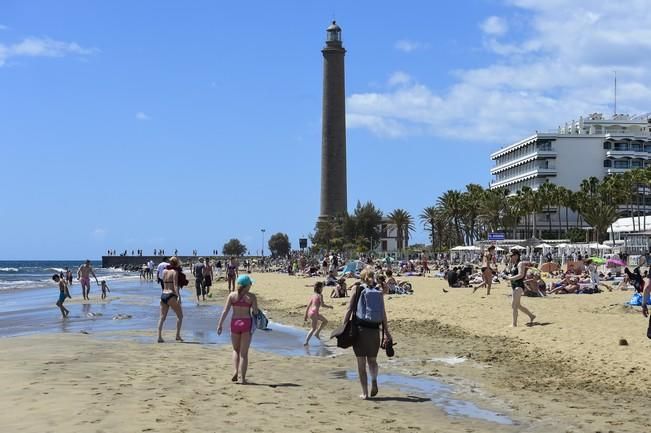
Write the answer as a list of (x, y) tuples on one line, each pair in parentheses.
[(29, 274)]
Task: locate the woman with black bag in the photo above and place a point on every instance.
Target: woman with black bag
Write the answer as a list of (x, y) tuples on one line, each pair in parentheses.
[(367, 312)]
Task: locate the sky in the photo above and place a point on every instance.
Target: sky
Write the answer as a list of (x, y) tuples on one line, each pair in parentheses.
[(175, 124)]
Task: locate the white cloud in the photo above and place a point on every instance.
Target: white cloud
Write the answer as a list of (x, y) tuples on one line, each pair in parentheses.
[(99, 234), (407, 46), (42, 47), (399, 78), (142, 116), (561, 68), (494, 26)]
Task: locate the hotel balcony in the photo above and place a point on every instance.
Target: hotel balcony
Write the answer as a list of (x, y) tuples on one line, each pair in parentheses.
[(617, 170), (531, 174), (538, 154), (628, 154)]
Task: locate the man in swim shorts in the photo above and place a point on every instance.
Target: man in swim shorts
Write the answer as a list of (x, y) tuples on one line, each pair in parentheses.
[(197, 271), (83, 275)]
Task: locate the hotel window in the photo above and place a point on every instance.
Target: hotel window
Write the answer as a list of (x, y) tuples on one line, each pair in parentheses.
[(607, 145), (636, 163), (636, 147), (608, 163), (621, 164)]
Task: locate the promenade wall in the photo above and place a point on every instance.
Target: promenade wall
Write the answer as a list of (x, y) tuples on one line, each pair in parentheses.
[(133, 261)]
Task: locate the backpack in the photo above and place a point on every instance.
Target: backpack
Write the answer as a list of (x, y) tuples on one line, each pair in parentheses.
[(370, 306)]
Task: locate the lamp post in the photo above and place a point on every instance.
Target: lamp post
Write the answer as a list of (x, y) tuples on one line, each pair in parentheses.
[(262, 250)]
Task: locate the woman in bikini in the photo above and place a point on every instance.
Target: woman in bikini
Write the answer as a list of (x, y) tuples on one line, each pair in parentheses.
[(518, 271), (487, 270), (231, 274), (245, 306), (171, 298), (312, 311)]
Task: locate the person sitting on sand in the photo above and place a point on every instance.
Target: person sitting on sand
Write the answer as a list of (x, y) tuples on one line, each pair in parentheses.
[(340, 290), (331, 279), (313, 312), (532, 284), (453, 278), (391, 282), (245, 306), (63, 294), (518, 271), (171, 298), (569, 284)]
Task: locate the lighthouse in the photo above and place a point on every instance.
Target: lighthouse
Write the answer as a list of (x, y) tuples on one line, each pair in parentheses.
[(334, 196)]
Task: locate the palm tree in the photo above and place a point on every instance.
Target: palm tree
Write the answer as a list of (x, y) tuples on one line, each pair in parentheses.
[(451, 202), (428, 217), (627, 185), (547, 196), (599, 215), (404, 224)]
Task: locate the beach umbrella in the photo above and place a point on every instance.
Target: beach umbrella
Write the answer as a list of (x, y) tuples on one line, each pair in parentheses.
[(615, 262), (598, 260), (518, 247), (543, 246)]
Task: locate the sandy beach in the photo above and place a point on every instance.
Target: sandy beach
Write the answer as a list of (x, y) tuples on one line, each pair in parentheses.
[(567, 373)]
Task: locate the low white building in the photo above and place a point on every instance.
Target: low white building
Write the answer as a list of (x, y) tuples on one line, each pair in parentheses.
[(593, 146), (388, 238)]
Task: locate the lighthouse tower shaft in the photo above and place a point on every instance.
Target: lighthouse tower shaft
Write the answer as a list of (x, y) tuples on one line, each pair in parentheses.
[(334, 196)]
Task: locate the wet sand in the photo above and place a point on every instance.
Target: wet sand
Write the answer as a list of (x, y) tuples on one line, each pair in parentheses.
[(566, 374)]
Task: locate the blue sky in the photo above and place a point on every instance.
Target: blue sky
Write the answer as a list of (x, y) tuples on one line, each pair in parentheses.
[(176, 124)]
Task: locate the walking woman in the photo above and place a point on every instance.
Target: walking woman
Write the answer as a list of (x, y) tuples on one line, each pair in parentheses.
[(488, 268), (171, 298), (518, 272), (231, 274), (245, 306), (368, 305)]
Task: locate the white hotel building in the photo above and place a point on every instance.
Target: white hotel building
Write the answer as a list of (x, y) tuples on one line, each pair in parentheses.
[(592, 146)]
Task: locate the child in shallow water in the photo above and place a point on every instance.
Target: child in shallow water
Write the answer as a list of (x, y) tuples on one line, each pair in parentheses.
[(312, 312), (63, 294), (105, 288)]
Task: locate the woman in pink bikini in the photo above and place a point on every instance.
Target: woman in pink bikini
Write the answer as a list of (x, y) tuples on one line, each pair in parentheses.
[(245, 305), (312, 311)]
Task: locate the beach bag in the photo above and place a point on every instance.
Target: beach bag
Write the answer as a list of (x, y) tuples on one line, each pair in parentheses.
[(261, 321), (345, 334), (370, 307)]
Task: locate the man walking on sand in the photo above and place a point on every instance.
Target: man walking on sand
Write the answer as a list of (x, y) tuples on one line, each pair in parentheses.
[(159, 272), (197, 271), (83, 275)]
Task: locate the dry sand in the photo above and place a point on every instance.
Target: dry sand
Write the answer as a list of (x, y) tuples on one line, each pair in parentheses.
[(566, 374)]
